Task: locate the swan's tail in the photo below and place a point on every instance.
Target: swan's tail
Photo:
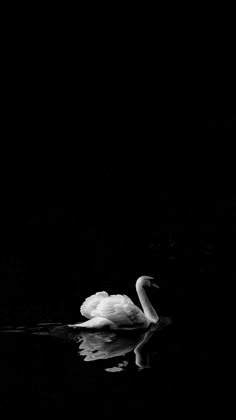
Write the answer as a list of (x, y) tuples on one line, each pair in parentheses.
[(96, 322), (75, 325)]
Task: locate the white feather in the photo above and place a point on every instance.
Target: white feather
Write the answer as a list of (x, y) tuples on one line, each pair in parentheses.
[(91, 303), (116, 308)]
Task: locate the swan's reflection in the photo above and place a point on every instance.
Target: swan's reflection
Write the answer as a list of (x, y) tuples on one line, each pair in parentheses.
[(101, 345)]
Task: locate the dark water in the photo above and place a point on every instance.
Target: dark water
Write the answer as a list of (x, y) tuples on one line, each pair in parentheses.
[(50, 365)]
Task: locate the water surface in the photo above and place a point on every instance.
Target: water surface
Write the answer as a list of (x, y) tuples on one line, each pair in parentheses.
[(52, 365)]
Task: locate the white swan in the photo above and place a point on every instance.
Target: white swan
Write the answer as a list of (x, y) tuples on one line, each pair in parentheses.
[(118, 311)]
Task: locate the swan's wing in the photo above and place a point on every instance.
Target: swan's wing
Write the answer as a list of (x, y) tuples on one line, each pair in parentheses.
[(91, 303), (121, 310)]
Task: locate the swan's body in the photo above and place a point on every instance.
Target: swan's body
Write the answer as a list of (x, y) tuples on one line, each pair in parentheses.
[(118, 311)]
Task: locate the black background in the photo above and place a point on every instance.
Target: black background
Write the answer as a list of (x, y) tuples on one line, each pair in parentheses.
[(117, 161)]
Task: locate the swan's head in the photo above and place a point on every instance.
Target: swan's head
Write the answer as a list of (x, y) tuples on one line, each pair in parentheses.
[(146, 281)]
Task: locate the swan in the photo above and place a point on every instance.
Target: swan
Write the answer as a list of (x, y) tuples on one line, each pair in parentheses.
[(118, 311)]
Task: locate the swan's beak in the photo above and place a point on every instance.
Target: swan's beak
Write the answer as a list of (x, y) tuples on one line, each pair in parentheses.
[(155, 285)]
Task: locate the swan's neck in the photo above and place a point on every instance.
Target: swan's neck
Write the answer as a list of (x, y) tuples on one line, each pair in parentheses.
[(148, 309)]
